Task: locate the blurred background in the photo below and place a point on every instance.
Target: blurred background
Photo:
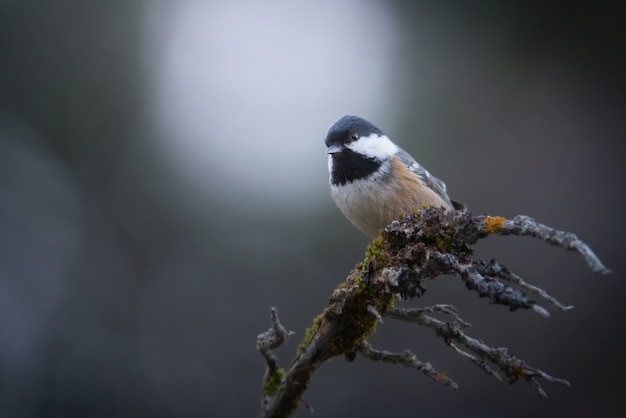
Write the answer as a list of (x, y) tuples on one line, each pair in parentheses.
[(163, 183)]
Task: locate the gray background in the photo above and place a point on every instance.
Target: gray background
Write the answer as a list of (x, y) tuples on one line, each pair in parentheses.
[(134, 280)]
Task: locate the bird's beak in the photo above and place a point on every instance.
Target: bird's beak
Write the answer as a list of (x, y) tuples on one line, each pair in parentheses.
[(334, 149)]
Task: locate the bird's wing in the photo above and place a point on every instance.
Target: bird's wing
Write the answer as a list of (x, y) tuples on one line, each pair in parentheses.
[(428, 179)]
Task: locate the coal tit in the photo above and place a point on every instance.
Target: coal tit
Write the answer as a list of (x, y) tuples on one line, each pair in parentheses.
[(373, 181)]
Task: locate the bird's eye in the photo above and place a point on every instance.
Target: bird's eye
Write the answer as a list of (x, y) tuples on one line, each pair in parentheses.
[(354, 136)]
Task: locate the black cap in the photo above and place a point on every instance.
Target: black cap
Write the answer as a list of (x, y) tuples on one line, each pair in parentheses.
[(350, 128)]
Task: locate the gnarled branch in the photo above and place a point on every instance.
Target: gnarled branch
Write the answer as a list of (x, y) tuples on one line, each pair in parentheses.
[(398, 265)]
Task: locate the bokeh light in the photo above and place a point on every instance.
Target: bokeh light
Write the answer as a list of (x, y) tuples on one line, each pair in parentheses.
[(244, 91)]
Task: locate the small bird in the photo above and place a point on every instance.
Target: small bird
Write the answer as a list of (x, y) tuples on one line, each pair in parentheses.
[(373, 181)]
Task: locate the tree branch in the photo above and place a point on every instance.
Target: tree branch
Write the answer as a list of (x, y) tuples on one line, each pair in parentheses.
[(398, 265)]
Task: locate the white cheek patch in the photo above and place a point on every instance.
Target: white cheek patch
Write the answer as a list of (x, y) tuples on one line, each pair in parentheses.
[(374, 146), (330, 163)]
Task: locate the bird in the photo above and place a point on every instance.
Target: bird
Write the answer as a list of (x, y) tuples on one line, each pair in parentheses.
[(373, 181)]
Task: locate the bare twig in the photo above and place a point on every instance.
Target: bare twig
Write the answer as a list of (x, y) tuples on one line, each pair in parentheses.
[(398, 265), (415, 314), (481, 363), (525, 225), (495, 269), (267, 341), (271, 339), (511, 366), (476, 279), (407, 359)]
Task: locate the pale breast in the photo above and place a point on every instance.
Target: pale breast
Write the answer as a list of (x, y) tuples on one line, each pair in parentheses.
[(372, 205)]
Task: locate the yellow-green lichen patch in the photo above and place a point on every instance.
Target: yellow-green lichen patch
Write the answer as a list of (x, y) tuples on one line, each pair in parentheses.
[(358, 303), (444, 243), (310, 332), (273, 381), (360, 320), (493, 224), (376, 251)]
